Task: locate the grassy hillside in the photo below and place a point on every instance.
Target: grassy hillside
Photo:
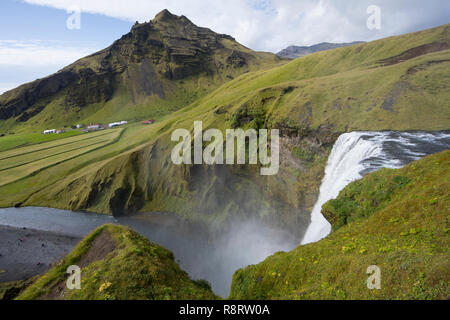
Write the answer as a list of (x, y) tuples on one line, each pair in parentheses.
[(118, 264), (294, 52), (399, 83), (395, 219), (155, 69)]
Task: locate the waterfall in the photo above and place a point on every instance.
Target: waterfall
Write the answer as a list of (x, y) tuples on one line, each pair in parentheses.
[(356, 154)]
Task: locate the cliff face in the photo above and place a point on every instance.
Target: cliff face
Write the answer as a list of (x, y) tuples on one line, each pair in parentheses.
[(167, 59)]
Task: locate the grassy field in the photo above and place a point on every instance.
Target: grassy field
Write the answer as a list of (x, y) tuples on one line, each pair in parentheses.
[(21, 162), (84, 163), (21, 140)]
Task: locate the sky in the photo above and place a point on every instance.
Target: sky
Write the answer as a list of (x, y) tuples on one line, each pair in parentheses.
[(36, 39)]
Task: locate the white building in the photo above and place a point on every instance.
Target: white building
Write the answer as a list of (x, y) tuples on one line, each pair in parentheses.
[(114, 124), (117, 124)]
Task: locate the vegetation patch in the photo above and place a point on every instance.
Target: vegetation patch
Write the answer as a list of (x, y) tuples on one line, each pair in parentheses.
[(118, 263)]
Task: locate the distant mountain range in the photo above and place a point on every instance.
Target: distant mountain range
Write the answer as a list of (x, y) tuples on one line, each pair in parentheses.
[(294, 52)]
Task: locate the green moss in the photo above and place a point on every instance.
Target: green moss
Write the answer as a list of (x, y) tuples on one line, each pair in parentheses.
[(135, 269), (303, 154), (20, 140)]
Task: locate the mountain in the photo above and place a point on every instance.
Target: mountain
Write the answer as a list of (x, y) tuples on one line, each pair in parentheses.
[(157, 68), (396, 219), (131, 268), (294, 52), (399, 83)]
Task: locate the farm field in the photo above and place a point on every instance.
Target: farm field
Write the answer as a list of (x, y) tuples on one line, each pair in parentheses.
[(51, 144), (21, 140), (21, 162)]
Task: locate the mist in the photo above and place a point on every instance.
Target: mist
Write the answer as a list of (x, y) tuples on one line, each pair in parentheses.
[(245, 242)]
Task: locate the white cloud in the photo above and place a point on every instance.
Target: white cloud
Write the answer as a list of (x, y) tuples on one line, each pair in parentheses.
[(38, 53), (5, 86), (272, 25), (25, 61)]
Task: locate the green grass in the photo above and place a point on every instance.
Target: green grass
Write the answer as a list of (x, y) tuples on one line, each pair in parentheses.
[(135, 269), (10, 290), (45, 155), (20, 140), (50, 145), (395, 219)]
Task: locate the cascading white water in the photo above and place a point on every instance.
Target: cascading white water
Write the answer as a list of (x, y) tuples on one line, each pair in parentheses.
[(358, 153)]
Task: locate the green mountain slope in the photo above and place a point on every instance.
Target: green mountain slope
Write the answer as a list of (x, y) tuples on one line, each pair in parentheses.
[(156, 68), (119, 264), (394, 219), (399, 83)]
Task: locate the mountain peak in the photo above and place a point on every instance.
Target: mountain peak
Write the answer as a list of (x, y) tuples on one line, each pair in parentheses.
[(145, 61), (164, 15)]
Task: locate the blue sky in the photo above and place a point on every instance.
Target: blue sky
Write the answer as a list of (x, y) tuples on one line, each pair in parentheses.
[(35, 41), (22, 21)]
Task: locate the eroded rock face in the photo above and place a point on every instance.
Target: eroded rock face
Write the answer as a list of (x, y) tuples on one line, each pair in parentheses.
[(146, 61)]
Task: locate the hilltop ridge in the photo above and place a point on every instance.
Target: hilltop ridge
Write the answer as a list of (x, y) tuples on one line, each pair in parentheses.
[(293, 52)]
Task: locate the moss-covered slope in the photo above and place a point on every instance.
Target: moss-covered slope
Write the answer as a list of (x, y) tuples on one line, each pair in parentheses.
[(397, 220), (118, 263)]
